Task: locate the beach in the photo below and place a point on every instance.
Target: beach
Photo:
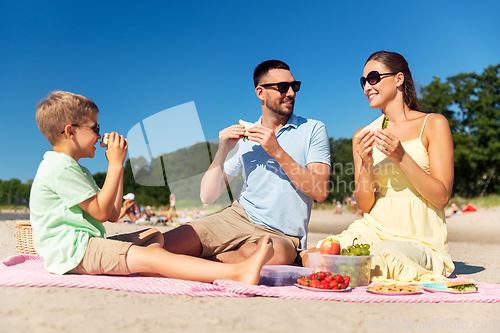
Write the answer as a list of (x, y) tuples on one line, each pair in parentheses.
[(474, 247)]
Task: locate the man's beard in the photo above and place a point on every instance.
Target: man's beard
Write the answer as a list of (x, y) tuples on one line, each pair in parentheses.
[(277, 109)]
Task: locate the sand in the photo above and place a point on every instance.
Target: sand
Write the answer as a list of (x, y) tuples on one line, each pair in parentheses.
[(473, 246)]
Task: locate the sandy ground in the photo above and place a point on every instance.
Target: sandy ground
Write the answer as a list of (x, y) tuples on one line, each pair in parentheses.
[(473, 245)]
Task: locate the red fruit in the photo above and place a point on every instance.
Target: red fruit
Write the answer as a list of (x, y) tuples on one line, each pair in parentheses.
[(329, 246), (347, 279), (314, 283), (312, 276), (334, 285), (339, 278), (303, 281), (329, 278), (324, 285), (341, 286), (322, 276)]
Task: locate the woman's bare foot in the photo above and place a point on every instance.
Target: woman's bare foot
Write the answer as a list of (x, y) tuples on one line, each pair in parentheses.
[(249, 269)]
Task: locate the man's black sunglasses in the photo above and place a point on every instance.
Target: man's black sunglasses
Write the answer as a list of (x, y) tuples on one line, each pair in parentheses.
[(284, 86), (373, 78), (94, 128)]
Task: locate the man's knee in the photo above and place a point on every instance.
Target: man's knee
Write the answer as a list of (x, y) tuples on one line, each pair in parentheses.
[(284, 252), (183, 240)]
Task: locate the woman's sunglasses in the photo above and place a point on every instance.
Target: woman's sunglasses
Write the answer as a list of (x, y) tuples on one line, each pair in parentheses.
[(284, 86), (373, 78)]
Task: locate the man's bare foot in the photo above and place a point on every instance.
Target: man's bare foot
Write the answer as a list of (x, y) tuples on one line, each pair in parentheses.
[(303, 258), (250, 268)]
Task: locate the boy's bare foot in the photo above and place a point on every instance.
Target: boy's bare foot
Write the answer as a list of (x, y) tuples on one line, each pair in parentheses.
[(249, 269)]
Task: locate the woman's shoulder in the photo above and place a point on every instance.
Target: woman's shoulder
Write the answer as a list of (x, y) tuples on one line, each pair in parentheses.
[(435, 120)]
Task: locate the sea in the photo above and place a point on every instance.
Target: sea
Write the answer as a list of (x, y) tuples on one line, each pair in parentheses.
[(14, 216)]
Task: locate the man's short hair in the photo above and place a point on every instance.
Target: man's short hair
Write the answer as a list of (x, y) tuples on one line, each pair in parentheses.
[(265, 67), (59, 109)]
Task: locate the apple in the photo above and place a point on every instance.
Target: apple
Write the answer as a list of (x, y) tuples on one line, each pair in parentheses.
[(330, 246)]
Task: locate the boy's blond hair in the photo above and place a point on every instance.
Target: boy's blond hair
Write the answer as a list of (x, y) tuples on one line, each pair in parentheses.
[(59, 109)]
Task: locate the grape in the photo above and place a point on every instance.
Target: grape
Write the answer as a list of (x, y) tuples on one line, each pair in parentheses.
[(356, 251)]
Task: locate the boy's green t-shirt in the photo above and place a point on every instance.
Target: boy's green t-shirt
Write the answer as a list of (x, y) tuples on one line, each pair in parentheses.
[(61, 229)]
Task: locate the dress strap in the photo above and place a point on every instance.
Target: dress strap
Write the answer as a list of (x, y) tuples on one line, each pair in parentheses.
[(423, 125)]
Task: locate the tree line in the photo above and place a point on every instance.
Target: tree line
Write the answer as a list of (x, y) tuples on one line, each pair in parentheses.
[(470, 102)]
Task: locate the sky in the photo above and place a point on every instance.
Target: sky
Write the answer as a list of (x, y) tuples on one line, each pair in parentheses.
[(135, 59)]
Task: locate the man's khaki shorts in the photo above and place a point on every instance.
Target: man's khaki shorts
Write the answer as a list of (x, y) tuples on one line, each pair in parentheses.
[(105, 256), (231, 228)]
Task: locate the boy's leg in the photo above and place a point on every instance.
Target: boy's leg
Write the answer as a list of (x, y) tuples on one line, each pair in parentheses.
[(158, 261)]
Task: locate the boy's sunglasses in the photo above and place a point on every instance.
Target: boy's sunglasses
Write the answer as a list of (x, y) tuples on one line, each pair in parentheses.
[(284, 86), (95, 128), (373, 78)]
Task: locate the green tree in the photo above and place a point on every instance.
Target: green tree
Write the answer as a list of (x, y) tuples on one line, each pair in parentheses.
[(342, 171), (471, 103)]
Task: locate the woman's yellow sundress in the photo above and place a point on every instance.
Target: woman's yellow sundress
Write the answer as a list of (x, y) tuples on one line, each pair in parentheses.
[(407, 233)]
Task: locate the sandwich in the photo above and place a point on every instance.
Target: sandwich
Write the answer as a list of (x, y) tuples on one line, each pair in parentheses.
[(465, 286), (105, 140), (380, 122), (247, 125)]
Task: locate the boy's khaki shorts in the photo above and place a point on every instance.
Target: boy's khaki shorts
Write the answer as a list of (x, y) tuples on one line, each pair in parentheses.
[(105, 256), (231, 228)]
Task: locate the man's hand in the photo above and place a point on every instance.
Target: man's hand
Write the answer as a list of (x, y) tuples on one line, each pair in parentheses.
[(229, 136), (266, 138)]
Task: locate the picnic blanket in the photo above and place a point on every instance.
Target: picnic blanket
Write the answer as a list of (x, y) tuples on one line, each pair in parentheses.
[(28, 271)]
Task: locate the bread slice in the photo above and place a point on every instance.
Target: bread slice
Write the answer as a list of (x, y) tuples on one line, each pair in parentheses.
[(454, 283), (377, 123), (105, 140), (247, 125), (461, 285)]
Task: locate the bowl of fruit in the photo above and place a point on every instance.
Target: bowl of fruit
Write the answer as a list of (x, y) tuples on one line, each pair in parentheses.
[(354, 261)]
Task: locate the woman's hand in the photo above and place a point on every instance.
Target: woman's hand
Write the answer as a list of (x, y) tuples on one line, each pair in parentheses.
[(364, 145), (389, 145)]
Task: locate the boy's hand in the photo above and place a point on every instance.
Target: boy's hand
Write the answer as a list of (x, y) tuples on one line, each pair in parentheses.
[(117, 149)]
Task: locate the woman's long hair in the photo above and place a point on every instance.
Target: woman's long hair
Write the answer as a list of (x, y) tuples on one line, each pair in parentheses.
[(397, 63)]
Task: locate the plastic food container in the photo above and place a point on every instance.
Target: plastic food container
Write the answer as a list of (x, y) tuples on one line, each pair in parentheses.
[(357, 267), (282, 275)]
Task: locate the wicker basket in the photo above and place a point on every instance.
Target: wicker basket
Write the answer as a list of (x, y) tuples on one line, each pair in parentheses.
[(24, 237)]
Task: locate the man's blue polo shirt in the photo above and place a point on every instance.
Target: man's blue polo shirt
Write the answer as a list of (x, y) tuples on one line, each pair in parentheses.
[(268, 196)]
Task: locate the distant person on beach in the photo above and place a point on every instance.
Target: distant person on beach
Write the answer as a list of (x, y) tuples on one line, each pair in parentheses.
[(68, 208), (403, 177), (286, 166), (172, 212), (130, 212)]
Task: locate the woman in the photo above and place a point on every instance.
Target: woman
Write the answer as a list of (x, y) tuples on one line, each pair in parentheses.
[(404, 178)]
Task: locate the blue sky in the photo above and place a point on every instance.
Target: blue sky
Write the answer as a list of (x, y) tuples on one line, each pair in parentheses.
[(135, 59)]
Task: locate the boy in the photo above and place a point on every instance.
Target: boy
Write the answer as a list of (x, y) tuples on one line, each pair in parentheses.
[(68, 208)]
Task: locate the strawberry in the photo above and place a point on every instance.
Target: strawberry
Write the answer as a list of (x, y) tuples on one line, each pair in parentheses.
[(339, 278), (324, 285), (334, 285), (347, 279), (329, 278), (314, 283), (303, 281)]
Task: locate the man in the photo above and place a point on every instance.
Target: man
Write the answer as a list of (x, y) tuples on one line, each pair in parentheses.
[(286, 166)]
